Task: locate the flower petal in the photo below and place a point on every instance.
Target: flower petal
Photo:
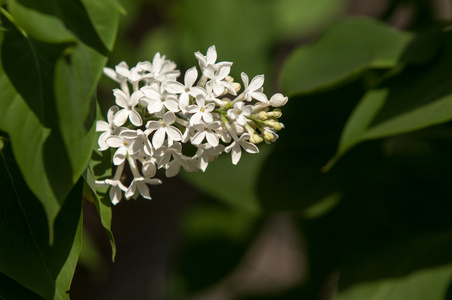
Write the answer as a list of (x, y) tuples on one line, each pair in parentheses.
[(135, 118), (174, 133), (121, 98), (159, 138), (121, 117), (119, 156)]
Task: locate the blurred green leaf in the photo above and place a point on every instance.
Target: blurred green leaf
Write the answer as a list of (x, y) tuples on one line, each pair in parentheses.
[(396, 107), (345, 50), (394, 216), (214, 239), (28, 259), (232, 185), (294, 18), (430, 283)]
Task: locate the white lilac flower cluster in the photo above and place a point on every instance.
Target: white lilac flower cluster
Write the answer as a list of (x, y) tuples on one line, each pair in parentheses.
[(151, 121)]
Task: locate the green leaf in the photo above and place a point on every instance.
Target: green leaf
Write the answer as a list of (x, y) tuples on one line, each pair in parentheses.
[(345, 50), (301, 17), (396, 107), (45, 28), (75, 17), (28, 259), (394, 211), (38, 150), (52, 131), (100, 169), (430, 283)]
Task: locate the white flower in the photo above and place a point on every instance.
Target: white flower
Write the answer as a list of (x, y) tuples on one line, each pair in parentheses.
[(207, 153), (254, 89), (116, 186), (138, 186), (156, 98), (108, 128), (187, 90), (240, 112), (210, 58), (217, 78), (201, 111), (173, 167), (206, 131), (237, 145), (125, 143), (162, 129), (160, 69), (128, 108)]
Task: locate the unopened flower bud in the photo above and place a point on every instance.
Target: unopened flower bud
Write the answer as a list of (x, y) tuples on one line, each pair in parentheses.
[(276, 113), (268, 136), (278, 100), (236, 86), (255, 139), (278, 126), (274, 124), (262, 115)]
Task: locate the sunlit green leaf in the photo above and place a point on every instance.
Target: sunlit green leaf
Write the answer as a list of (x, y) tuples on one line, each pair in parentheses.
[(346, 49), (75, 17), (52, 131), (28, 259)]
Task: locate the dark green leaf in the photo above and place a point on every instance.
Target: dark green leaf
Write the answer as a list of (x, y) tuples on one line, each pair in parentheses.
[(28, 259), (344, 51), (100, 169), (393, 218), (397, 107)]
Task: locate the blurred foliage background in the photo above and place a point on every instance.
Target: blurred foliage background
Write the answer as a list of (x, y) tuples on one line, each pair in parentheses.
[(354, 200)]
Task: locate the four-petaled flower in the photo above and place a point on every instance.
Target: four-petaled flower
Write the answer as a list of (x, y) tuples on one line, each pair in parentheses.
[(162, 129), (128, 108)]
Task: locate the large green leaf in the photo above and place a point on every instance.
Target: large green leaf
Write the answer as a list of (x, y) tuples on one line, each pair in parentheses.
[(39, 151), (346, 49), (27, 258), (51, 123), (397, 107), (429, 284)]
